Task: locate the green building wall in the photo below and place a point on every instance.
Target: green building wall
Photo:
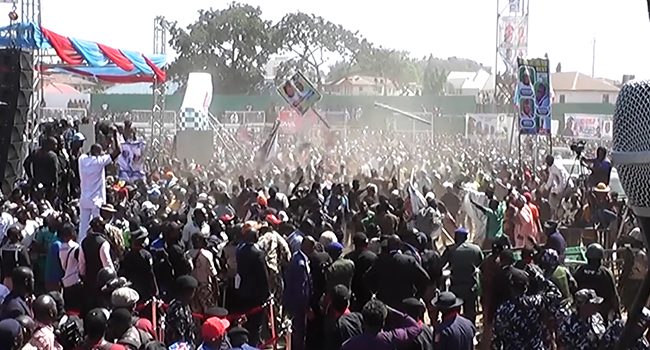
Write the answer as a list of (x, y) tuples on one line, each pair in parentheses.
[(453, 108)]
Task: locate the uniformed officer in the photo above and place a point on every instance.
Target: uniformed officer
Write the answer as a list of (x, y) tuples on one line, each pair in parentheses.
[(518, 323), (464, 259), (599, 278), (583, 328), (455, 332), (613, 333)]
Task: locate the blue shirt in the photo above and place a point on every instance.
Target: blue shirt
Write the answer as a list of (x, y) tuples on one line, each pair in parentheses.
[(295, 241), (601, 171), (53, 270)]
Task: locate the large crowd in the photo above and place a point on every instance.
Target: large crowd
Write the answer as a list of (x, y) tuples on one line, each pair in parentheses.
[(374, 241)]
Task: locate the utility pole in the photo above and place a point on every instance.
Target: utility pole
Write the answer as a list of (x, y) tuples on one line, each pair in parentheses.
[(593, 58)]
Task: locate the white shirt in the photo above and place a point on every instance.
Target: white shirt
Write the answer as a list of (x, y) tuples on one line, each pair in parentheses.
[(558, 178), (6, 221), (104, 256), (92, 176), (191, 228), (70, 263), (28, 230)]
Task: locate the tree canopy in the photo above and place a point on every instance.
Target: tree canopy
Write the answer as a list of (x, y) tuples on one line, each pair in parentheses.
[(235, 44)]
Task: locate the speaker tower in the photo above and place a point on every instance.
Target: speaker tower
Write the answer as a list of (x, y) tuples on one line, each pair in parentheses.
[(16, 89)]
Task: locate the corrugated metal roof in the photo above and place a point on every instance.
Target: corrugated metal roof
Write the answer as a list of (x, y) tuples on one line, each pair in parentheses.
[(576, 81)]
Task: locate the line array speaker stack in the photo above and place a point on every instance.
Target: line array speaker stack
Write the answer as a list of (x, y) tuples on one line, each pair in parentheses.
[(16, 89)]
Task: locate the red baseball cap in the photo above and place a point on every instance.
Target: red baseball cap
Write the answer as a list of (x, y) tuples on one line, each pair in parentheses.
[(214, 328), (273, 219)]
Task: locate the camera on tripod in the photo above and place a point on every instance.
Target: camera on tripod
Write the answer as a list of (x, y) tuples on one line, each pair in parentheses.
[(578, 147)]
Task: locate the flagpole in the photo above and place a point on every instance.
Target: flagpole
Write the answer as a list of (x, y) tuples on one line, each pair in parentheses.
[(322, 119), (346, 115)]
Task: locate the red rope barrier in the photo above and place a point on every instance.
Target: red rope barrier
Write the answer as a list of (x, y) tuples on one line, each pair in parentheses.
[(200, 316), (231, 317)]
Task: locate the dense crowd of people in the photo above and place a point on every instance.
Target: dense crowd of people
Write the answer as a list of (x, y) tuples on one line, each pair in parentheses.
[(377, 241)]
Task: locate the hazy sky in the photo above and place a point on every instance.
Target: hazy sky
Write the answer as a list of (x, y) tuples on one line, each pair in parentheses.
[(465, 28)]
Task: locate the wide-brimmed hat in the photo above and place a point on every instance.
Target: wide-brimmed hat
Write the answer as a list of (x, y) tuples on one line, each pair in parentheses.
[(602, 187), (109, 208), (446, 301)]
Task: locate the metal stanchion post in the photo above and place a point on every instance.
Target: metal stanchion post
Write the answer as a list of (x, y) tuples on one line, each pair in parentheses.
[(272, 318)]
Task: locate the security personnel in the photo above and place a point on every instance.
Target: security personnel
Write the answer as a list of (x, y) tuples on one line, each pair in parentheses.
[(396, 276), (635, 265), (599, 278), (455, 332), (582, 329), (464, 259)]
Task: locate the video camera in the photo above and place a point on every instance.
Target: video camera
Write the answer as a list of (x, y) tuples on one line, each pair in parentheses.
[(578, 147)]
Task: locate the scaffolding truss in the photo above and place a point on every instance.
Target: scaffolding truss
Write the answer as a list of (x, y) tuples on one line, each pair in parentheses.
[(30, 12), (512, 42), (158, 131)]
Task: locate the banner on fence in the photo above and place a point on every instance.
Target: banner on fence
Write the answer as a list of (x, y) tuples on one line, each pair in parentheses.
[(495, 126), (588, 126), (291, 122), (534, 96)]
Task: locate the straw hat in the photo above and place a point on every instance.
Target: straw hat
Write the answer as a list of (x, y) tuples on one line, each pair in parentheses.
[(602, 187)]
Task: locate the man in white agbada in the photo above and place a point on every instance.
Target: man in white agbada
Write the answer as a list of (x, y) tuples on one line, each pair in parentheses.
[(92, 176)]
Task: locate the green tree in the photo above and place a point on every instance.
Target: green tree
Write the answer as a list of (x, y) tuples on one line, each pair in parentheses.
[(434, 79), (390, 65), (314, 41), (232, 44)]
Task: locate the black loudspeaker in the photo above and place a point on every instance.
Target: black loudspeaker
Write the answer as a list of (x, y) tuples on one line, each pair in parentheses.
[(16, 89)]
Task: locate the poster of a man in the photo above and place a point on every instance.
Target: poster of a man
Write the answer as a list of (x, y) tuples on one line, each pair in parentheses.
[(527, 108), (541, 95), (526, 81), (569, 124), (299, 93), (291, 93)]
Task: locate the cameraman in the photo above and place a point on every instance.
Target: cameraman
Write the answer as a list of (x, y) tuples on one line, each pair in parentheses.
[(558, 182), (600, 167)]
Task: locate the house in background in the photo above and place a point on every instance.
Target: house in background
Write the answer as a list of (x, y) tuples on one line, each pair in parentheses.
[(575, 87), (478, 84), (359, 85)]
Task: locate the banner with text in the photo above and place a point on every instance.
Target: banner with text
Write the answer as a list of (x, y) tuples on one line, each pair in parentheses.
[(533, 96), (588, 126), (493, 126), (291, 122)]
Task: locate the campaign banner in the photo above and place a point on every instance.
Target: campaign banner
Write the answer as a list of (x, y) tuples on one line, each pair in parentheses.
[(299, 93), (533, 96), (512, 38), (291, 122), (588, 126), (493, 126), (131, 161)]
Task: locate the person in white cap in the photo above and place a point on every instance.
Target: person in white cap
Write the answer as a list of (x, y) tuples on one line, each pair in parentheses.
[(92, 176)]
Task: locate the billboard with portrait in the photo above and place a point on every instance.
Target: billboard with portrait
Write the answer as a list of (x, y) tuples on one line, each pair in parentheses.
[(533, 95), (299, 93)]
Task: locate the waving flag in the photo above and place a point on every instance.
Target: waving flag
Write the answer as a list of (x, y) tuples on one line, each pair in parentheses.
[(269, 149)]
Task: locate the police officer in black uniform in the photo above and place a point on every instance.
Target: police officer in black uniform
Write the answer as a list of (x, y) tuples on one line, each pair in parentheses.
[(595, 276)]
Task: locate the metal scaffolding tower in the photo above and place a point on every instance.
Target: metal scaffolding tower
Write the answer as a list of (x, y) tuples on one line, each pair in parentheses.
[(160, 28), (511, 42), (30, 12)]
